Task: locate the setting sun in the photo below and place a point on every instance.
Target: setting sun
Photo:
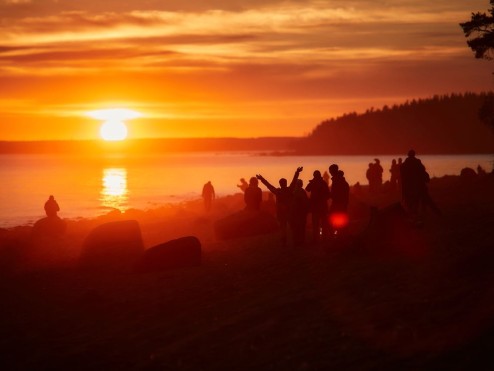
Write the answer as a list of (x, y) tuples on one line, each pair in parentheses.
[(113, 130)]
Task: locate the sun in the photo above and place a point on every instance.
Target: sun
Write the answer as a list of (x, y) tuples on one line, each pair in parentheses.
[(113, 130), (113, 127)]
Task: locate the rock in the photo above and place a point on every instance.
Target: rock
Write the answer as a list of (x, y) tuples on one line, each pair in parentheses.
[(114, 246), (467, 173), (245, 223), (48, 227), (180, 253)]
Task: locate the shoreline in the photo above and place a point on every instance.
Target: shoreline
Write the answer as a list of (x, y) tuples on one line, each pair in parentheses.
[(195, 205)]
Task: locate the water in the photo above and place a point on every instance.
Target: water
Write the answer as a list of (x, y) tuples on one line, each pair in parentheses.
[(92, 186)]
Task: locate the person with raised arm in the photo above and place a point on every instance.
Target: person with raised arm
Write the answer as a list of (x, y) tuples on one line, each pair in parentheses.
[(283, 196)]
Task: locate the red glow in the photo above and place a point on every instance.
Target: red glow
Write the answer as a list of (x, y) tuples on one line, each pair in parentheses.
[(338, 220)]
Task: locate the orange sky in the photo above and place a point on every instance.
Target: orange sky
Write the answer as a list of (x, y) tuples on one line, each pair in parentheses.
[(224, 67)]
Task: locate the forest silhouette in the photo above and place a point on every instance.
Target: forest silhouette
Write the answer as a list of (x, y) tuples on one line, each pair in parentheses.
[(446, 124)]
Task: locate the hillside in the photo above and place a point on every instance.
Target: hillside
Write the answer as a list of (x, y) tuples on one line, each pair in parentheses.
[(442, 124)]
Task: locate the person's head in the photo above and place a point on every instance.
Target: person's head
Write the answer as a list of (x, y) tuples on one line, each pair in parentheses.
[(393, 161), (377, 161), (411, 153), (341, 173), (333, 169), (300, 183), (283, 182), (316, 174), (51, 197), (243, 180), (253, 181)]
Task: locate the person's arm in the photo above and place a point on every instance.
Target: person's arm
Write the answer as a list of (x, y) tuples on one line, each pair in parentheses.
[(295, 177), (267, 184)]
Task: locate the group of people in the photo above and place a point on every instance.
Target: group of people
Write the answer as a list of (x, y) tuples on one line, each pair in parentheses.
[(294, 203), (327, 199), (374, 175)]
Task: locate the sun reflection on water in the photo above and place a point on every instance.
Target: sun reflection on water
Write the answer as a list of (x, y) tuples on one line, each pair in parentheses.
[(114, 188)]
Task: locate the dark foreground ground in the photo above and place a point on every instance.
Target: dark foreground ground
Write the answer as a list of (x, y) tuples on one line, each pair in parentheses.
[(423, 300)]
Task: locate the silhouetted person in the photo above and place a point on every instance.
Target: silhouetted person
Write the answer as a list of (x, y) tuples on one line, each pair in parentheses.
[(340, 194), (481, 171), (51, 207), (253, 195), (243, 185), (283, 200), (395, 175), (370, 177), (299, 209), (208, 195), (400, 162), (325, 176), (377, 171), (414, 179), (319, 195), (374, 175)]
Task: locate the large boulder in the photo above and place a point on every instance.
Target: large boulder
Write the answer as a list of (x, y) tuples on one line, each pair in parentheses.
[(180, 253), (245, 223), (48, 227), (468, 174), (113, 246)]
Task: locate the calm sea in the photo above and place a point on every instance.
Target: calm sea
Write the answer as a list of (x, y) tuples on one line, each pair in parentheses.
[(90, 186)]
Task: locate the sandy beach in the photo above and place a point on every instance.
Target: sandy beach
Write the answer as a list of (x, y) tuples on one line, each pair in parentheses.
[(367, 300)]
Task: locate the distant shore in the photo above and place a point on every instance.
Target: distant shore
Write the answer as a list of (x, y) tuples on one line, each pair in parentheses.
[(265, 146)]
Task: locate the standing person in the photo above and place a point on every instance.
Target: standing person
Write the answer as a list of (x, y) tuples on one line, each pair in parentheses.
[(378, 174), (51, 207), (299, 209), (319, 195), (413, 179), (283, 200), (340, 195), (395, 175), (208, 195), (253, 195), (400, 162), (369, 174)]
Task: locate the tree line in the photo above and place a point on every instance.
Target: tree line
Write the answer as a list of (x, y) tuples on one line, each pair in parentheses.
[(442, 124)]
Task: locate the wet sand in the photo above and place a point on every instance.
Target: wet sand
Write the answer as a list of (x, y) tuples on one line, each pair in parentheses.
[(425, 302)]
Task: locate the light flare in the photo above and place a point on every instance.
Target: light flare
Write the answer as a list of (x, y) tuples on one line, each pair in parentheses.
[(338, 220)]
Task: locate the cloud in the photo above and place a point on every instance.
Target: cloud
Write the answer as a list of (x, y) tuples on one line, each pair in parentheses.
[(280, 52), (14, 2)]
